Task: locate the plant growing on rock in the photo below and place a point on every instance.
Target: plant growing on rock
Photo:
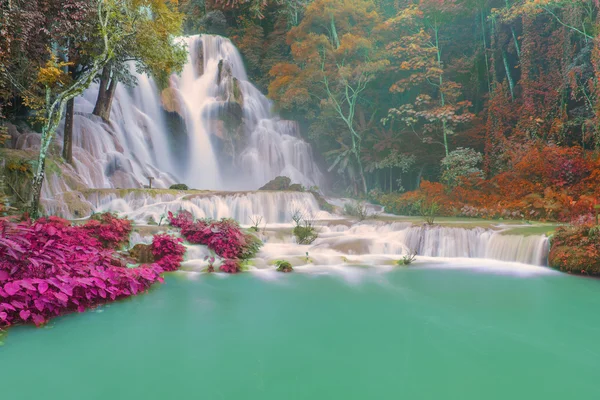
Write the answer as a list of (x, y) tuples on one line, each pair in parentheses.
[(304, 231), (408, 258), (256, 220), (230, 266), (224, 237), (283, 266), (211, 263), (576, 249), (428, 210), (168, 251), (357, 209)]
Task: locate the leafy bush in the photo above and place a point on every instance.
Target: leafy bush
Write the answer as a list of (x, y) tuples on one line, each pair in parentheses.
[(283, 266), (428, 210), (224, 237), (576, 249), (461, 164), (230, 266), (304, 231), (357, 209), (49, 268), (408, 259), (179, 186), (111, 230), (305, 234), (168, 251)]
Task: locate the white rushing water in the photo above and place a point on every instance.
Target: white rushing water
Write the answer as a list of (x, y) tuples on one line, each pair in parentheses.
[(339, 238), (212, 129), (219, 133)]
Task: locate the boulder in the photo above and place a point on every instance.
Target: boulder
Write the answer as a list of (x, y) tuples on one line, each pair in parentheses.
[(142, 253), (279, 183), (171, 101)]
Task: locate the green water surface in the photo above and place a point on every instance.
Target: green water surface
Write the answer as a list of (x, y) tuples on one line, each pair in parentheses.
[(408, 334)]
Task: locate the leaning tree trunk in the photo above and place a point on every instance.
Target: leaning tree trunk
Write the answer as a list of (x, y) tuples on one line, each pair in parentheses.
[(68, 132), (106, 92), (55, 106), (54, 112)]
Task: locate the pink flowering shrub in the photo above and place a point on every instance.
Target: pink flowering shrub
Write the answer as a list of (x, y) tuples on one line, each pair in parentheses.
[(224, 237), (112, 231), (49, 268), (168, 251), (230, 266)]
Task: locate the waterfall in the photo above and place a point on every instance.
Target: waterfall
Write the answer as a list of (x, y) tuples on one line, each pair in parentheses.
[(245, 207), (210, 128), (436, 241)]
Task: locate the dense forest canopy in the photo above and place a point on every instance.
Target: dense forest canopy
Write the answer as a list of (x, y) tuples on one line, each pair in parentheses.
[(489, 107)]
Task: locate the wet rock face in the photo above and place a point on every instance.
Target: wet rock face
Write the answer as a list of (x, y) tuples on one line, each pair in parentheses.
[(142, 253), (198, 58), (279, 183), (171, 101)]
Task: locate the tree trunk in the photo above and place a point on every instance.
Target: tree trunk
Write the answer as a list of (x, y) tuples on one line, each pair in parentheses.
[(68, 133), (36, 190), (511, 82), (106, 92)]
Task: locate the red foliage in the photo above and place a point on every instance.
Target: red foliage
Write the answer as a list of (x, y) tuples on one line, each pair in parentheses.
[(168, 251), (546, 182), (224, 237), (112, 231), (230, 266), (49, 267), (576, 249)]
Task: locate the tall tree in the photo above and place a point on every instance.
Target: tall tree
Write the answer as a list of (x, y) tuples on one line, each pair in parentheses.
[(336, 58), (437, 108), (149, 28)]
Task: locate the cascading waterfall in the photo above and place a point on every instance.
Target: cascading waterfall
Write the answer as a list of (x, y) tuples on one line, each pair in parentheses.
[(436, 241), (269, 207), (211, 129)]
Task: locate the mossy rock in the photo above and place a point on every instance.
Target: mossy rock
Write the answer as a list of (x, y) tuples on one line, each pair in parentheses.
[(323, 204), (279, 183), (142, 253), (78, 206), (284, 266), (179, 186), (296, 187)]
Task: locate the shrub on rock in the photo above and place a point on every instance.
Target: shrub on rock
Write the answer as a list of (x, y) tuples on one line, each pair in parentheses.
[(576, 249), (179, 186)]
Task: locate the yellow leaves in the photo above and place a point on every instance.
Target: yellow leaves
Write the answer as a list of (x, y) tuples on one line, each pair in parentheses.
[(53, 73)]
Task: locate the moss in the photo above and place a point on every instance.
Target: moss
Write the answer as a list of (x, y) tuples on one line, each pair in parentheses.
[(323, 204), (283, 266), (278, 183)]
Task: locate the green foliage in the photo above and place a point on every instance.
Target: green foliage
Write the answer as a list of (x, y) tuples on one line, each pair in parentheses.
[(283, 266), (179, 186), (428, 210), (461, 164), (357, 209), (251, 248), (408, 258), (304, 231)]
